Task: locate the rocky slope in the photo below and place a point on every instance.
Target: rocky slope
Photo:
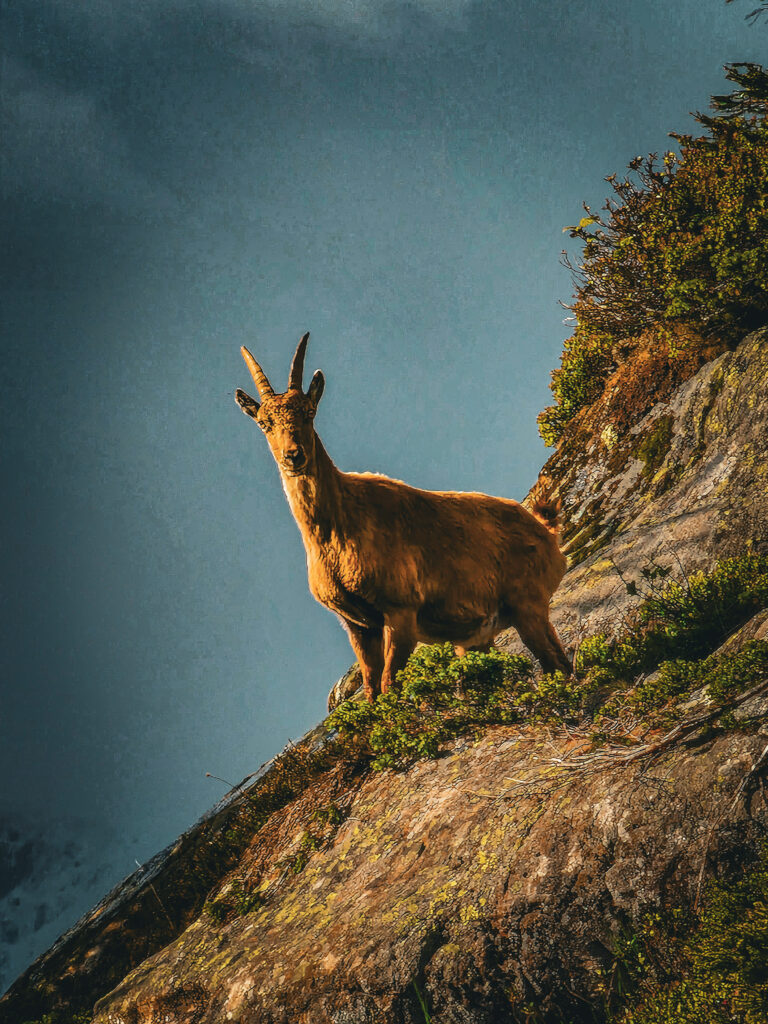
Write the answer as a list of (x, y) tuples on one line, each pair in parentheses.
[(495, 880), (495, 877), (683, 484)]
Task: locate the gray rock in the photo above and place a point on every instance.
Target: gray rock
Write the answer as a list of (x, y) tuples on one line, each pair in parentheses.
[(346, 687)]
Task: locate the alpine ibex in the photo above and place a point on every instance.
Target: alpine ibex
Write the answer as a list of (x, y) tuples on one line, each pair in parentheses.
[(398, 564)]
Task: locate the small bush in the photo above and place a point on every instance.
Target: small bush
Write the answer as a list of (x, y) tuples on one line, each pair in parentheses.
[(442, 696), (693, 616), (732, 674), (672, 679), (586, 362), (724, 676), (683, 245), (685, 619)]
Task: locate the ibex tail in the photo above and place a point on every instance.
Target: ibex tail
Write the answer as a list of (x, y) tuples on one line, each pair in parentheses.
[(548, 513)]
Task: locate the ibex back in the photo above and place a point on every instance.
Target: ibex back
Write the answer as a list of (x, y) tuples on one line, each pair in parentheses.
[(398, 564)]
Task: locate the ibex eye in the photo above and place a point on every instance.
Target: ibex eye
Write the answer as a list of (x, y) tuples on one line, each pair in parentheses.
[(266, 424)]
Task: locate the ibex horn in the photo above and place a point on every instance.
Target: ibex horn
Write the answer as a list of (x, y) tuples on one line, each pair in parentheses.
[(259, 377), (297, 366)]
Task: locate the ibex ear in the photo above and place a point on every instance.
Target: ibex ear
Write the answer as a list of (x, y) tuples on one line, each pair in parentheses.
[(249, 405), (316, 387)]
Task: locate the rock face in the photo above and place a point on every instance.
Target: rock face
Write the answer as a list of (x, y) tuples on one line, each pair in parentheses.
[(496, 878), (684, 485), (493, 878)]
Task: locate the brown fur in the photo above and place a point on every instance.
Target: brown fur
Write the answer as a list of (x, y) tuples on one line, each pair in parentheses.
[(400, 565)]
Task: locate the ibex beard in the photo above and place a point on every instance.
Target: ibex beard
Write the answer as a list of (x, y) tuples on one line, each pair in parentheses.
[(400, 565)]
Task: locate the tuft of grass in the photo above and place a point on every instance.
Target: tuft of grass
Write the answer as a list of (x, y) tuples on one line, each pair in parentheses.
[(422, 1004)]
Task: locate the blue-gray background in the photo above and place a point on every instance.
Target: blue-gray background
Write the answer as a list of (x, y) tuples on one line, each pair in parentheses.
[(181, 177)]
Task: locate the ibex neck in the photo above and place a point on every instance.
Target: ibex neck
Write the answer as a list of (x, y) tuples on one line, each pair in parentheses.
[(314, 497)]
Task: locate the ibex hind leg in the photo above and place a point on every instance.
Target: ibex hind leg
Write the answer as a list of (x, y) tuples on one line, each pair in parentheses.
[(539, 636), (461, 651), (368, 645)]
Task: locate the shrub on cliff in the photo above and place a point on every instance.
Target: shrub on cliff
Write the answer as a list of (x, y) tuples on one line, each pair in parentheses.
[(442, 696), (681, 250), (679, 619)]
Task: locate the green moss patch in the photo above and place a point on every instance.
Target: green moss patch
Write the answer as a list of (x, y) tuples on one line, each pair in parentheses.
[(655, 445), (691, 967)]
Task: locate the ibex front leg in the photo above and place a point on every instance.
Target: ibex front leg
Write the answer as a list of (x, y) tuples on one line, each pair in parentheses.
[(368, 645), (399, 642)]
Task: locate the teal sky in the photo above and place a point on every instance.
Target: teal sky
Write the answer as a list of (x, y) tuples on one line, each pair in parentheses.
[(181, 178)]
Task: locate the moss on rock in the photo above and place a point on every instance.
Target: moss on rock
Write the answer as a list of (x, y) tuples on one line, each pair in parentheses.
[(688, 966)]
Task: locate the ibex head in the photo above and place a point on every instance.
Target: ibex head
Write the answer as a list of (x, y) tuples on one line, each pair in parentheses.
[(286, 419)]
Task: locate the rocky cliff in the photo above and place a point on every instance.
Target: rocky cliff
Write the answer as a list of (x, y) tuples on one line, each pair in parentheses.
[(497, 881)]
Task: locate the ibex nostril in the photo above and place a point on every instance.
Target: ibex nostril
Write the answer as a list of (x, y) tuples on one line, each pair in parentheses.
[(294, 455)]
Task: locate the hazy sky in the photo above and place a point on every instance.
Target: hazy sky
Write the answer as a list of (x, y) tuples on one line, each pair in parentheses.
[(181, 177)]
